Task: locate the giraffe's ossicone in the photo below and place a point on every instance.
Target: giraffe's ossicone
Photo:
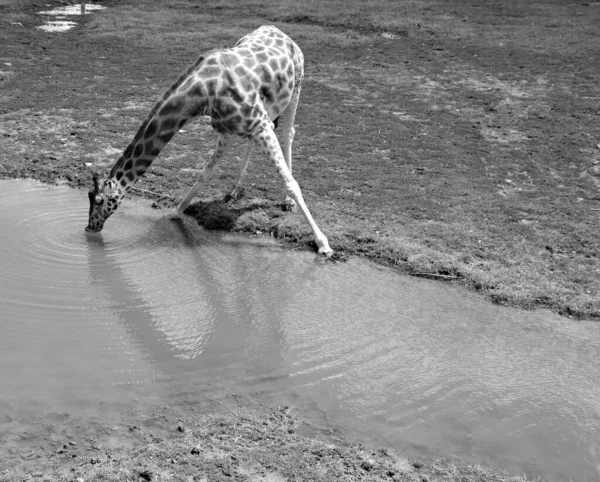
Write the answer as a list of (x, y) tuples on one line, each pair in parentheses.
[(243, 89)]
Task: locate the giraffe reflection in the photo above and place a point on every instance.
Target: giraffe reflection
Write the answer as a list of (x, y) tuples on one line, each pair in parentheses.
[(198, 306)]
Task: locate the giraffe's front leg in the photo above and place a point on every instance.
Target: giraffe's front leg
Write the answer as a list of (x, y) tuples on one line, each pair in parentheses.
[(192, 193), (288, 138), (174, 214), (204, 176), (267, 142)]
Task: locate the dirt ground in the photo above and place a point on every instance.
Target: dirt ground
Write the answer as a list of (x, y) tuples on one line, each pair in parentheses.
[(457, 140), (452, 140), (264, 445)]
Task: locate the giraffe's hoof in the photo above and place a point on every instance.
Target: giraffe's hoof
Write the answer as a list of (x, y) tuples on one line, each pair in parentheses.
[(235, 195), (174, 214), (326, 251), (324, 248), (288, 205)]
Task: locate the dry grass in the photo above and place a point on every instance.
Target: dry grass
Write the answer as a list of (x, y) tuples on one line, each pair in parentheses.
[(464, 148)]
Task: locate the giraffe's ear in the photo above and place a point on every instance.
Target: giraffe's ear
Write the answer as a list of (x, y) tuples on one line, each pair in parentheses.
[(94, 177), (96, 185)]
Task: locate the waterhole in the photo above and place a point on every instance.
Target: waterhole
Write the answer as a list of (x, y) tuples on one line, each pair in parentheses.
[(154, 312), (58, 22)]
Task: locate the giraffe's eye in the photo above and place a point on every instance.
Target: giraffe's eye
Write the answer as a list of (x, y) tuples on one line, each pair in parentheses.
[(99, 200)]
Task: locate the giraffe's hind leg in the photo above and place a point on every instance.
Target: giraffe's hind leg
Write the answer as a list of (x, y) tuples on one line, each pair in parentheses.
[(288, 132), (222, 144), (235, 194), (266, 140)]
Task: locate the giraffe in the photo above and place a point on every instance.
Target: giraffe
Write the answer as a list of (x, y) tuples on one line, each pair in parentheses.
[(243, 89)]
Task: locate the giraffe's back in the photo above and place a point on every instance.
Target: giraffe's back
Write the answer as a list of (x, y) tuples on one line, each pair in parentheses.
[(252, 81)]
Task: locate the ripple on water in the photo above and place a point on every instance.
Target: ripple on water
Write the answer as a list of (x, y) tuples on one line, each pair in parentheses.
[(47, 244), (39, 249), (162, 311), (58, 337)]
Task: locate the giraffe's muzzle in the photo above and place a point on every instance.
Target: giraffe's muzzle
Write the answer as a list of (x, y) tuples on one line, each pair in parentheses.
[(89, 229), (95, 221)]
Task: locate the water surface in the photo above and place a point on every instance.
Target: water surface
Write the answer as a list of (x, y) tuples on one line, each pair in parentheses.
[(58, 16), (154, 312)]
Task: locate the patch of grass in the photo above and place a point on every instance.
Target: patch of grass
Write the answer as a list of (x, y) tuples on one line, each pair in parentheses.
[(462, 149)]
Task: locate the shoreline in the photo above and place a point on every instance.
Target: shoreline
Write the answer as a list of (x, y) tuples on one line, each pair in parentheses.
[(440, 142), (261, 444), (451, 141)]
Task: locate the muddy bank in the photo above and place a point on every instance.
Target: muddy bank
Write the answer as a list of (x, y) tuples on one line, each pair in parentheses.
[(462, 146), (450, 141), (268, 444)]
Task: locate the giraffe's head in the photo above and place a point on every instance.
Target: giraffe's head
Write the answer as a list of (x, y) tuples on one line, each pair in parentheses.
[(103, 202)]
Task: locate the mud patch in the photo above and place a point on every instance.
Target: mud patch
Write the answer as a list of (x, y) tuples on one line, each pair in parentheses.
[(59, 22)]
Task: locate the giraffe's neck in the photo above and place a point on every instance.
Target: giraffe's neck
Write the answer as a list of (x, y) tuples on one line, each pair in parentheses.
[(170, 114), (152, 136)]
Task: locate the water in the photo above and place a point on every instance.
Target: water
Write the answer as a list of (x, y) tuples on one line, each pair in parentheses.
[(155, 312), (59, 22)]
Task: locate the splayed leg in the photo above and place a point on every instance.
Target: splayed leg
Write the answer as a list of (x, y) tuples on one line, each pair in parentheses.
[(235, 194), (222, 144), (288, 138), (268, 144)]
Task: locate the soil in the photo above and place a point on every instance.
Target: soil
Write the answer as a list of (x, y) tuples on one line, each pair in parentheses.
[(451, 140), (263, 444), (454, 140)]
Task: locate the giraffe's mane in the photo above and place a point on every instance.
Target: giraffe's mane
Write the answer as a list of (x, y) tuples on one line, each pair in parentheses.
[(167, 94), (153, 112)]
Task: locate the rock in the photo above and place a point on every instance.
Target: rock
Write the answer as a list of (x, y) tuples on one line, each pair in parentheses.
[(146, 475), (368, 464)]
